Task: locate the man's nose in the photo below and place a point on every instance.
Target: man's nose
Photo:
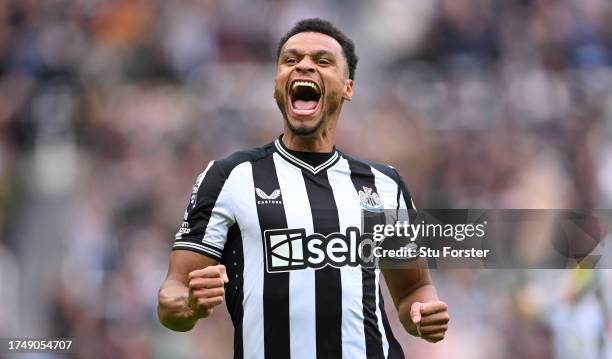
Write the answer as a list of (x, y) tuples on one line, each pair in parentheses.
[(306, 65)]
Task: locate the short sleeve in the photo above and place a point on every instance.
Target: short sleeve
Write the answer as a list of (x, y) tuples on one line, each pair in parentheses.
[(208, 216)]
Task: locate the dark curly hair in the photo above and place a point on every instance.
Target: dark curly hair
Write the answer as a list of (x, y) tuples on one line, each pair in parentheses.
[(324, 27)]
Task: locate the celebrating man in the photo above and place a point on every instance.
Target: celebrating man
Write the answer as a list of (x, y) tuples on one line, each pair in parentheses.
[(284, 220)]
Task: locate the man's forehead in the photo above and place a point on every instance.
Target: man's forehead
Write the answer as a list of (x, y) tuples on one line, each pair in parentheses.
[(312, 41)]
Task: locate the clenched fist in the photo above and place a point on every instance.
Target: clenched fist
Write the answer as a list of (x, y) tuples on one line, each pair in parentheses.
[(431, 319), (206, 289)]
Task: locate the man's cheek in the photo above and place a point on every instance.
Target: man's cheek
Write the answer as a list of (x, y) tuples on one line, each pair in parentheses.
[(278, 94)]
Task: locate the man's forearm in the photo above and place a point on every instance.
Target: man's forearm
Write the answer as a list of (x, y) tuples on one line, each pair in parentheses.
[(173, 309), (424, 293)]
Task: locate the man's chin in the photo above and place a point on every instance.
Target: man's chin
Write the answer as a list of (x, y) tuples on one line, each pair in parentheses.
[(304, 130)]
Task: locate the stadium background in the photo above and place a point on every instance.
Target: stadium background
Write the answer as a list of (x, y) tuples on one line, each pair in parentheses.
[(110, 109)]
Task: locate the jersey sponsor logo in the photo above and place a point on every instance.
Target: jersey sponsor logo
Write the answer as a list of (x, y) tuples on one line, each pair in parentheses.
[(184, 228), (292, 249), (370, 200), (272, 198), (195, 188)]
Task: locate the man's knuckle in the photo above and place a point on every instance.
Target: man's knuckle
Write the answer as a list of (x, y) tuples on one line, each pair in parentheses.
[(199, 292), (214, 292), (214, 271)]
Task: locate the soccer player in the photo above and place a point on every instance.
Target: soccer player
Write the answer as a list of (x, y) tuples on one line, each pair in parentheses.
[(274, 230)]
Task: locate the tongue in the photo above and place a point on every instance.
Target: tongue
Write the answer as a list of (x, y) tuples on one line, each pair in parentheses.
[(304, 105)]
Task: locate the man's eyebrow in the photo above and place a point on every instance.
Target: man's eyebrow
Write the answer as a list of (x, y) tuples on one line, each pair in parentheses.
[(318, 53), (290, 51)]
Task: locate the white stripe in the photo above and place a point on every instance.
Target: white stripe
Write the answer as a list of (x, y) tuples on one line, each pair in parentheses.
[(301, 163), (221, 216), (302, 309), (381, 328), (349, 214), (216, 254), (387, 189), (245, 208)]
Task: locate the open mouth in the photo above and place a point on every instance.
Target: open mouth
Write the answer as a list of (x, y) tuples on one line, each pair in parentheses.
[(304, 97)]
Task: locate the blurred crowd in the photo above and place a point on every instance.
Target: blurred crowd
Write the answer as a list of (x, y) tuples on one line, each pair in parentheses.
[(109, 109)]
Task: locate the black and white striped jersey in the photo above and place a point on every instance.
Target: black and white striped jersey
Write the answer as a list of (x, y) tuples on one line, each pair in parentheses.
[(291, 234)]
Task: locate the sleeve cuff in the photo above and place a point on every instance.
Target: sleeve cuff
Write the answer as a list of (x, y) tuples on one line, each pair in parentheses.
[(202, 248)]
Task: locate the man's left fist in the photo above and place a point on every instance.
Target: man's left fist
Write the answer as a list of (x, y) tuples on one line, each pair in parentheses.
[(431, 319)]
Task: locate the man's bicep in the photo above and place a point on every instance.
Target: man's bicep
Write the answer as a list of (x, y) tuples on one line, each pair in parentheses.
[(182, 262), (403, 281)]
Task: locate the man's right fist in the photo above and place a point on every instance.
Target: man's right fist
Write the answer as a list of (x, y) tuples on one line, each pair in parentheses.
[(206, 289)]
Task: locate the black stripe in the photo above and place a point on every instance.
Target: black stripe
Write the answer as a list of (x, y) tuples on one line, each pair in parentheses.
[(397, 200), (198, 215), (362, 176), (395, 349), (233, 259), (328, 283), (276, 285), (402, 186)]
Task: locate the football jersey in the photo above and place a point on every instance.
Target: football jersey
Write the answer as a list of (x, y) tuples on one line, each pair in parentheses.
[(292, 235)]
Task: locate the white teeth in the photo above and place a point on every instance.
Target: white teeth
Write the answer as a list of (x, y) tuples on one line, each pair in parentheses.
[(305, 83)]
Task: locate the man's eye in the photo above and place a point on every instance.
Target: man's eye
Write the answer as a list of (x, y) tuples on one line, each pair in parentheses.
[(291, 61), (323, 62)]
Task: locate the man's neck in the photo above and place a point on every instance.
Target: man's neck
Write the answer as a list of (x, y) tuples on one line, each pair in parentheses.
[(320, 142)]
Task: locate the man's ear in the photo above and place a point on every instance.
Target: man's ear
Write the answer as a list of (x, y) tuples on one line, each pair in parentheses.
[(348, 90)]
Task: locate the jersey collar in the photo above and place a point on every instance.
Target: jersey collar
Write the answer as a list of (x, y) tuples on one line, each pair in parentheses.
[(284, 153)]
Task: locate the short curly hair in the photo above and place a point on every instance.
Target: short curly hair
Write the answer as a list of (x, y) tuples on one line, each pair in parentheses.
[(324, 27)]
